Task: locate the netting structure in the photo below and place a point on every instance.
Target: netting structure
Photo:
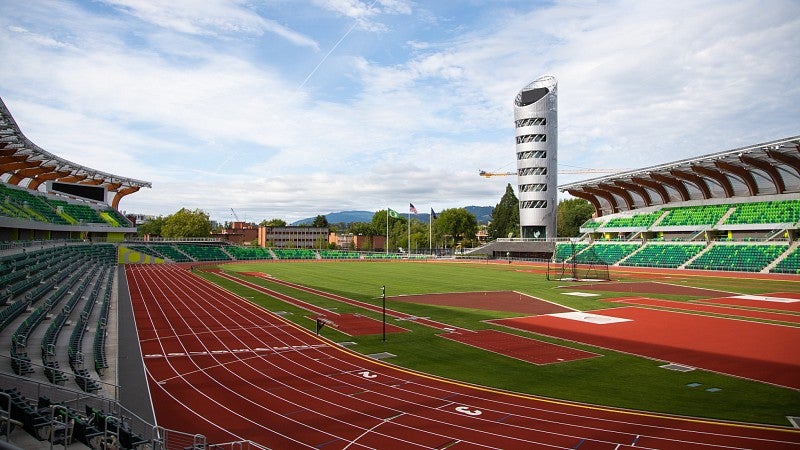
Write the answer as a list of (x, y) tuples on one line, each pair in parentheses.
[(577, 264)]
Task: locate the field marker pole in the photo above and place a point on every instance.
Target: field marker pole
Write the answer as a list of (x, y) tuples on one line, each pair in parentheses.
[(383, 295)]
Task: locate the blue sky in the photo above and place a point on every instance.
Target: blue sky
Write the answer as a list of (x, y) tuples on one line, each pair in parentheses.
[(292, 108)]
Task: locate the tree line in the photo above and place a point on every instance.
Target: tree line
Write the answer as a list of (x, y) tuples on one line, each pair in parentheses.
[(453, 228)]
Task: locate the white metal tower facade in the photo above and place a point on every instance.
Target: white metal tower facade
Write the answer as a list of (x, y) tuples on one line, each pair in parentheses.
[(536, 124)]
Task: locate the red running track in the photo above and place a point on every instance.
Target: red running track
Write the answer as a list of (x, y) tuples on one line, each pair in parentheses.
[(220, 366)]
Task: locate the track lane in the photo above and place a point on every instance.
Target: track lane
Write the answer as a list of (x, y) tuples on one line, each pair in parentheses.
[(450, 426)]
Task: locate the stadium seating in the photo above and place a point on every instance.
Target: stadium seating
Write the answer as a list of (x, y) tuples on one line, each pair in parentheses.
[(249, 253), (564, 250), (294, 253), (775, 212), (338, 254), (29, 206), (591, 223), (668, 255), (635, 221), (790, 264), (738, 257), (170, 252), (610, 253), (694, 215), (204, 252)]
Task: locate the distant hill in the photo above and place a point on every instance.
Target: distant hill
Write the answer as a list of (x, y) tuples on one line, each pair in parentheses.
[(483, 214)]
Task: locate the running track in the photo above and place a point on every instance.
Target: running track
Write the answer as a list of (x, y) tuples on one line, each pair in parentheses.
[(220, 366)]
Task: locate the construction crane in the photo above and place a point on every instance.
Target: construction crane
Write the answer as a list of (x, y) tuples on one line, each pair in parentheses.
[(486, 174), (235, 216)]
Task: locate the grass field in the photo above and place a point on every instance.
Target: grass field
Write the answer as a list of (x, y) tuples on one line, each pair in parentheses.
[(615, 379)]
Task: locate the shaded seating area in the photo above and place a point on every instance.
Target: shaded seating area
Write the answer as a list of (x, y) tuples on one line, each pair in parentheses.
[(774, 212), (694, 215)]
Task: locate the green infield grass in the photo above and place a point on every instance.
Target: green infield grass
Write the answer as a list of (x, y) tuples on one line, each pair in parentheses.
[(613, 378)]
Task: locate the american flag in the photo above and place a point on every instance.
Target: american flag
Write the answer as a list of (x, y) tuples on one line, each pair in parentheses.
[(411, 208)]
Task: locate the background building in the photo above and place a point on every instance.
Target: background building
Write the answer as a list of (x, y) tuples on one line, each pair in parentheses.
[(536, 124)]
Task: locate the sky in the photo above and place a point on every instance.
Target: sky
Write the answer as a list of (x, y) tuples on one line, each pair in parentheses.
[(292, 108)]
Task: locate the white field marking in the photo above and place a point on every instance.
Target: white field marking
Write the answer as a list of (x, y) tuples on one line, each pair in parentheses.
[(581, 294), (236, 351), (589, 317), (766, 298)]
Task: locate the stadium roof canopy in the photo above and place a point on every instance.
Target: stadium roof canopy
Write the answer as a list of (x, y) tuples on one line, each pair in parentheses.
[(771, 168), (24, 163)]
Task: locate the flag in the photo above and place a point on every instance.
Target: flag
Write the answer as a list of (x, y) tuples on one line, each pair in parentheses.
[(433, 214), (411, 208), (393, 213)]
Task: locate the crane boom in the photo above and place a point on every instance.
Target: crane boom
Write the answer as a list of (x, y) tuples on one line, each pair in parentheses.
[(235, 216), (486, 174)]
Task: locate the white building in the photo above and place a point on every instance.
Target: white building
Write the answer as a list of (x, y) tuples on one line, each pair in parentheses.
[(536, 124)]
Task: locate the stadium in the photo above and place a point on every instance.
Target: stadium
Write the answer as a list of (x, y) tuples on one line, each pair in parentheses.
[(670, 323)]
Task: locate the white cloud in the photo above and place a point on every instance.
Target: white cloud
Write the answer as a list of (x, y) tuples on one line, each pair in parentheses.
[(209, 17), (215, 124)]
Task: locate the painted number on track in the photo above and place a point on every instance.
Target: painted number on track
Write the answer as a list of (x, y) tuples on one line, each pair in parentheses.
[(367, 374), (466, 410)]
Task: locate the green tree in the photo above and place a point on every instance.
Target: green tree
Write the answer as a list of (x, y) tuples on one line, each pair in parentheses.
[(152, 227), (320, 222), (458, 223), (397, 229), (572, 213), (362, 228), (505, 216), (273, 223), (186, 223)]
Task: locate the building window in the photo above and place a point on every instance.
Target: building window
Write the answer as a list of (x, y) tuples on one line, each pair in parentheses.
[(528, 204), (533, 187), (525, 138), (532, 121), (532, 171), (532, 154)]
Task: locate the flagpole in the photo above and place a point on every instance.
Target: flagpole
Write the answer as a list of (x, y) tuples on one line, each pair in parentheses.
[(430, 233), (387, 231), (408, 251)]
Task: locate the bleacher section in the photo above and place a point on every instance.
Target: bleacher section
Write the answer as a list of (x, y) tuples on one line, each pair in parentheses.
[(790, 264), (24, 204), (249, 253), (294, 253), (339, 254), (204, 252), (170, 252), (775, 212), (610, 253), (20, 203), (667, 255), (751, 220), (738, 257), (694, 215), (67, 281), (635, 221), (564, 250)]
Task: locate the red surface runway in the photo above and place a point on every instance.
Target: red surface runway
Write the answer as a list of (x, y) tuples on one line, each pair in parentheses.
[(754, 350), (222, 367)]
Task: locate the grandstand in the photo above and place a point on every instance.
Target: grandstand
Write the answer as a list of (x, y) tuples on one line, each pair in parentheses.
[(60, 281)]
